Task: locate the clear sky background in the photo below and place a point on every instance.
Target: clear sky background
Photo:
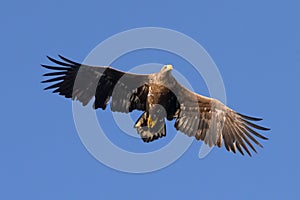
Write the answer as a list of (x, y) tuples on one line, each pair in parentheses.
[(255, 44)]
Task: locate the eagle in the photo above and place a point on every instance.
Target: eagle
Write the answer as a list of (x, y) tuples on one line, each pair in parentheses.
[(160, 97)]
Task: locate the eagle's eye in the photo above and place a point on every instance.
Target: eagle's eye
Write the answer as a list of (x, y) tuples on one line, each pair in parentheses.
[(168, 67)]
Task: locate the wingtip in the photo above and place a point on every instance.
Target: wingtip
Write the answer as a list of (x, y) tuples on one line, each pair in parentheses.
[(255, 125), (49, 58), (60, 56), (68, 60), (250, 154), (250, 118)]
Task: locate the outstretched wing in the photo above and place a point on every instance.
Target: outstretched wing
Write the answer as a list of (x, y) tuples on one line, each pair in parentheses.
[(209, 120), (82, 82)]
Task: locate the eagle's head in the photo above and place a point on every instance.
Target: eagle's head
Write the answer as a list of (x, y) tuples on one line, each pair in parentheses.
[(165, 73), (166, 68)]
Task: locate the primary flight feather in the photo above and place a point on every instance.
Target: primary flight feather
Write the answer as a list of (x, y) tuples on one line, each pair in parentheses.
[(160, 96)]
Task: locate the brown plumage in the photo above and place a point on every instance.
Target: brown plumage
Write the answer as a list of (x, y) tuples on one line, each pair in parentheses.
[(160, 97)]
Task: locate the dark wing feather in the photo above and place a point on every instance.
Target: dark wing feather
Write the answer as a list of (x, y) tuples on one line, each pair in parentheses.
[(83, 82), (211, 121)]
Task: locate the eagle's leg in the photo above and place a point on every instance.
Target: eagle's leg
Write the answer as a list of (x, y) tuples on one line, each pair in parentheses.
[(150, 126)]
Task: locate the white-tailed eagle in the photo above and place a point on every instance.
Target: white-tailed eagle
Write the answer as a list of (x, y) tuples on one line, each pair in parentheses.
[(160, 96)]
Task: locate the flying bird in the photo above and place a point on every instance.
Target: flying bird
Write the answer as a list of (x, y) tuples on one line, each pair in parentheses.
[(160, 97)]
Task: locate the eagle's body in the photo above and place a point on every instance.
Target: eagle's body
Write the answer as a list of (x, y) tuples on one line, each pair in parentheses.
[(160, 97)]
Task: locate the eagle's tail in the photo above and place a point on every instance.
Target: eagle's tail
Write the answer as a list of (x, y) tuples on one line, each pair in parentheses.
[(150, 128)]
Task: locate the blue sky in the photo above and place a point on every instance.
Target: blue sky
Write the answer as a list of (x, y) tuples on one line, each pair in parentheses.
[(255, 46)]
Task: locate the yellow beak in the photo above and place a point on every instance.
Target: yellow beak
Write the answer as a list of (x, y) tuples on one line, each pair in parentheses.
[(169, 67)]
